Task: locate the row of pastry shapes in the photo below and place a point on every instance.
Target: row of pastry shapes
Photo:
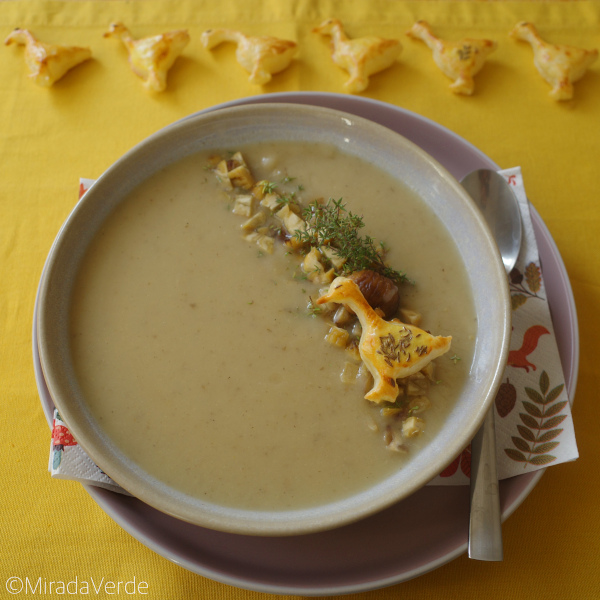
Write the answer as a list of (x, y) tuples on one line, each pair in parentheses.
[(263, 56), (150, 58), (559, 65)]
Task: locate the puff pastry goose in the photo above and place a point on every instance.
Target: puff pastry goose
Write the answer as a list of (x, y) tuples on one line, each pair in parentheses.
[(559, 65), (261, 56), (458, 60), (390, 349), (151, 57), (47, 63), (360, 57)]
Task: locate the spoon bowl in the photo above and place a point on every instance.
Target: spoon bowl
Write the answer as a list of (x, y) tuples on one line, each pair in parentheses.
[(500, 208)]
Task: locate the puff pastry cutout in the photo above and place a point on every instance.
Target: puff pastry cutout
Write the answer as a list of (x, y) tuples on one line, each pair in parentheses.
[(261, 56), (360, 57), (47, 63), (560, 66), (458, 60), (390, 349), (151, 57)]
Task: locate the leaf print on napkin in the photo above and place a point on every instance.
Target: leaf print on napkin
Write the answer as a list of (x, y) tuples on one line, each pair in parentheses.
[(525, 285), (539, 425), (463, 460)]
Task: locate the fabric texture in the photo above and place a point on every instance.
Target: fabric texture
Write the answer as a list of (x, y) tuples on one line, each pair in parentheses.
[(49, 138)]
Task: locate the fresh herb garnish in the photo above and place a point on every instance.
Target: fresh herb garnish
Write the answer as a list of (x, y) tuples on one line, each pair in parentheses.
[(287, 200), (268, 187), (331, 225), (313, 308)]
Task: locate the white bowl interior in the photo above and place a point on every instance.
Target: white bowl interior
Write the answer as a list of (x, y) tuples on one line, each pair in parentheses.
[(233, 127)]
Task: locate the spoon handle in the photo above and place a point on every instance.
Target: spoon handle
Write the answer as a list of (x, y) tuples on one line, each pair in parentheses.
[(485, 524)]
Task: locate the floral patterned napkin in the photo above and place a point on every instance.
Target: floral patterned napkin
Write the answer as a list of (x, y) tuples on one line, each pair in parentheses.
[(534, 427), (68, 460)]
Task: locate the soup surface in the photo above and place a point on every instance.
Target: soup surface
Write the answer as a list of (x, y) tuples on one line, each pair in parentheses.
[(199, 355)]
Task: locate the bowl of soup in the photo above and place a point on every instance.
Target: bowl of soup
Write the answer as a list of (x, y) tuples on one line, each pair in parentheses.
[(192, 335)]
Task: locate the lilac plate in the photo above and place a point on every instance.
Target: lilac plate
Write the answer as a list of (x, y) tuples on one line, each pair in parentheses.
[(414, 536)]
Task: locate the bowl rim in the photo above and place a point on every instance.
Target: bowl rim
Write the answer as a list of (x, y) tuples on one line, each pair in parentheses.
[(176, 504)]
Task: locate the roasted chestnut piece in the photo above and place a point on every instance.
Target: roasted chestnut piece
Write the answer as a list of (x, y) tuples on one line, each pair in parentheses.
[(379, 291)]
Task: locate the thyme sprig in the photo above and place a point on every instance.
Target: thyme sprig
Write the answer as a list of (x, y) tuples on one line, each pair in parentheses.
[(331, 225), (287, 199), (268, 187)]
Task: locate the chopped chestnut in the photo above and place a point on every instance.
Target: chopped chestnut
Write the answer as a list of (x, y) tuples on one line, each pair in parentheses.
[(379, 291)]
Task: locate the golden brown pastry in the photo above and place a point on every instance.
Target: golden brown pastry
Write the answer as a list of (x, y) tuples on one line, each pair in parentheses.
[(390, 349), (151, 57), (261, 56), (560, 66), (47, 63), (361, 57), (460, 61)]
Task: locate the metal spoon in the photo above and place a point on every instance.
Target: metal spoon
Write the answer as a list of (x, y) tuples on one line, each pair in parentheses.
[(499, 206)]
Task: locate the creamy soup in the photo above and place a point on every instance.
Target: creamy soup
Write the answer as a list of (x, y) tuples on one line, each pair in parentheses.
[(198, 352)]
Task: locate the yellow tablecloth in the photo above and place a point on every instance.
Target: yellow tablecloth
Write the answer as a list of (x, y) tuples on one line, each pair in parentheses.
[(50, 137)]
